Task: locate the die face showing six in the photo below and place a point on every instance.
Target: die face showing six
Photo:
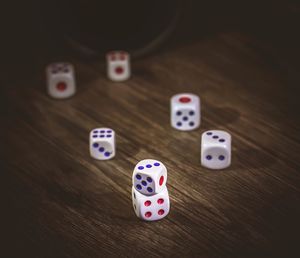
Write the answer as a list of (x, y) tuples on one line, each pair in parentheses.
[(151, 208), (149, 176), (185, 111), (118, 65), (60, 80), (216, 149), (102, 143)]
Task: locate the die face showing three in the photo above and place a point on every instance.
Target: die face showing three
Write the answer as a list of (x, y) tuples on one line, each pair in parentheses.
[(216, 149), (149, 176), (151, 208), (60, 80), (185, 111), (118, 65), (102, 143)]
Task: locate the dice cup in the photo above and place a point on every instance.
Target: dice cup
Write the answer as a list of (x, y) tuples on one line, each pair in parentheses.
[(92, 27)]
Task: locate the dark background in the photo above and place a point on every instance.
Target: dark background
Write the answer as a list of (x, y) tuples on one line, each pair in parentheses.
[(34, 30), (240, 57)]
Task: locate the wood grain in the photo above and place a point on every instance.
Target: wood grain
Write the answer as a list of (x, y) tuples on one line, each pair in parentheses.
[(59, 202)]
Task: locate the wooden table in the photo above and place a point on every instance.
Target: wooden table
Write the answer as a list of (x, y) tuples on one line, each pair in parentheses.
[(59, 202)]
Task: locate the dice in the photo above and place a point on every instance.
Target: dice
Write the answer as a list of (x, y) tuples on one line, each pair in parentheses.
[(118, 65), (151, 208), (60, 80), (150, 197), (185, 111), (102, 143), (149, 176), (215, 149)]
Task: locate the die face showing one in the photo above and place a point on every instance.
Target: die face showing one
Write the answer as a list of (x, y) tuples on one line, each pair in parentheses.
[(118, 65), (185, 111), (149, 176), (216, 149), (102, 143), (60, 80), (151, 208)]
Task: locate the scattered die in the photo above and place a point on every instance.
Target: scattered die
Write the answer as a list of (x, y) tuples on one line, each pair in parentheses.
[(151, 208), (118, 65), (185, 111), (149, 176), (60, 80), (216, 149), (102, 143)]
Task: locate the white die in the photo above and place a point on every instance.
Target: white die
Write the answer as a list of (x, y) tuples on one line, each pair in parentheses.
[(118, 65), (149, 176), (60, 80), (216, 149), (102, 143), (185, 111), (152, 207)]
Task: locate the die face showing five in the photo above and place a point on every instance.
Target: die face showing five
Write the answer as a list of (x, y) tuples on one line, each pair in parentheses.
[(216, 149), (185, 111), (118, 65), (60, 80), (102, 143), (149, 176), (151, 208)]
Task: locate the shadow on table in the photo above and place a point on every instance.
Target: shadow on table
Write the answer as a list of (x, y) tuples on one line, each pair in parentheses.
[(252, 158)]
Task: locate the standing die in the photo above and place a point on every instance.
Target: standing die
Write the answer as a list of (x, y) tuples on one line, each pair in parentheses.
[(60, 80), (149, 176), (118, 66), (153, 207), (216, 149), (185, 111), (102, 143), (150, 197)]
